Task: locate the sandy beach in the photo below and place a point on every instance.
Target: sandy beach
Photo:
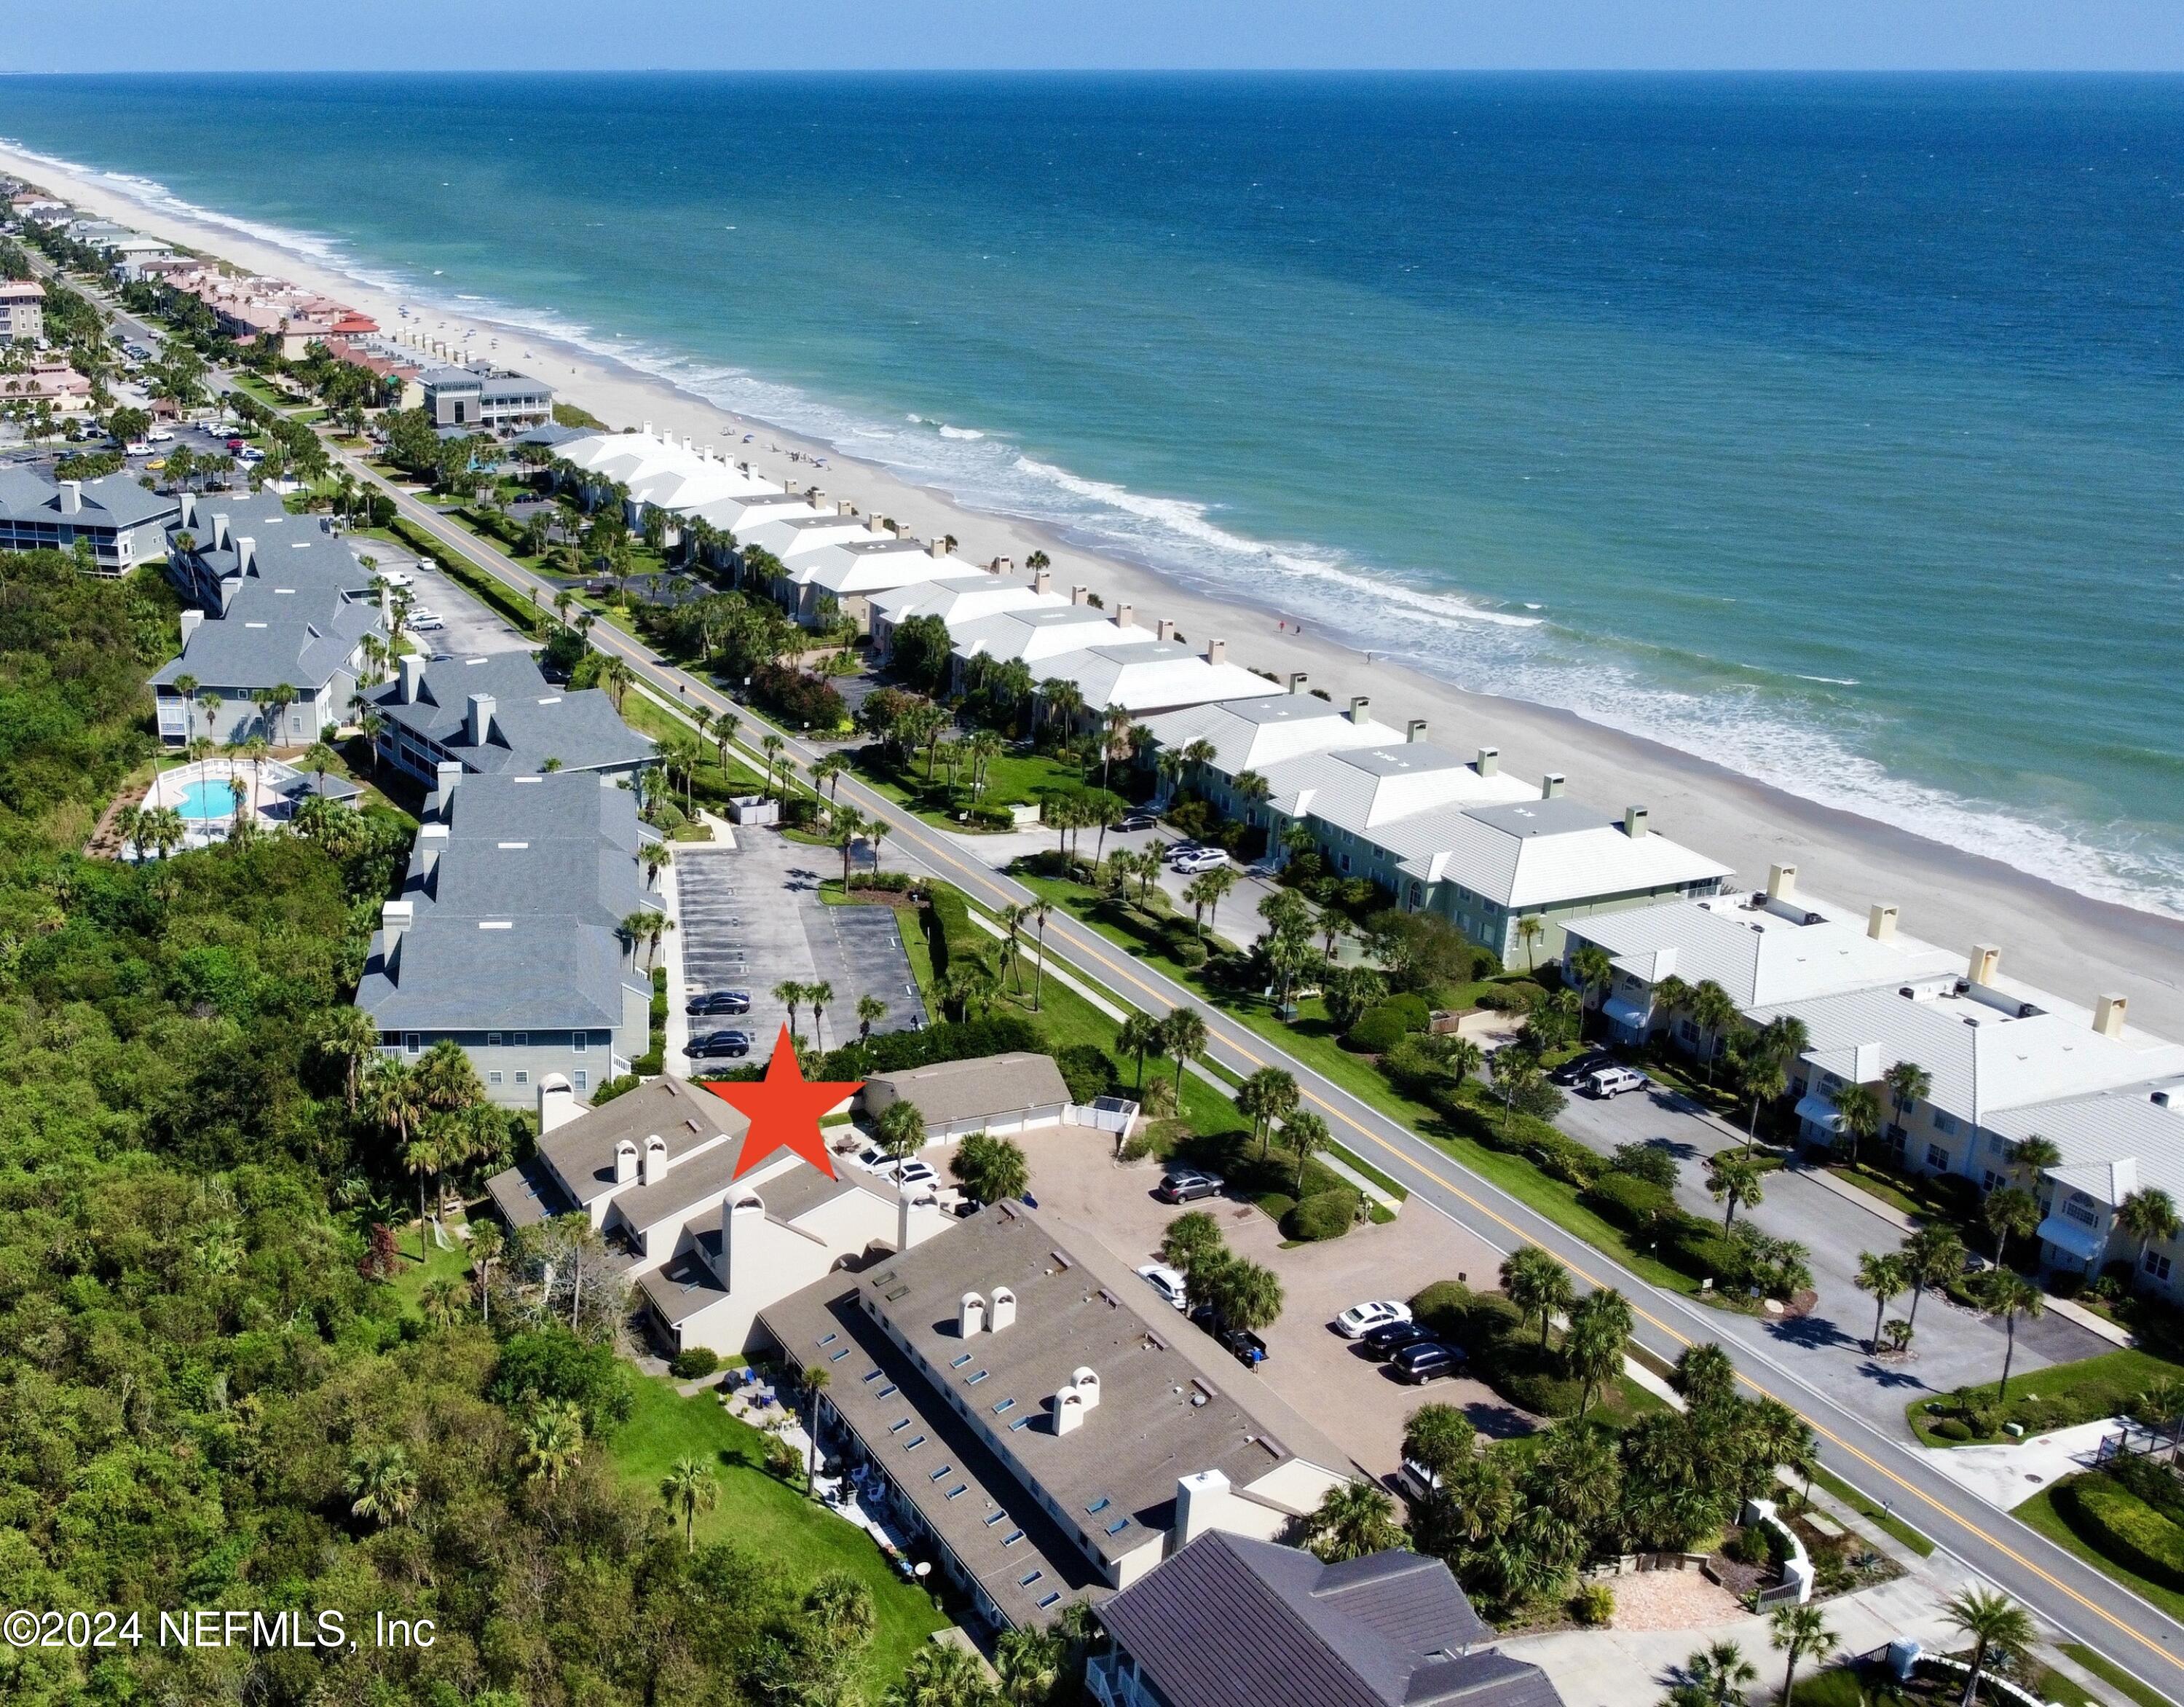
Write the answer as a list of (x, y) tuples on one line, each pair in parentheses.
[(2053, 937)]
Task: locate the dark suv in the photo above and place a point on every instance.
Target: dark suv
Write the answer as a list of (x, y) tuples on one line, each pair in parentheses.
[(1427, 1361), (715, 1045), (1383, 1342)]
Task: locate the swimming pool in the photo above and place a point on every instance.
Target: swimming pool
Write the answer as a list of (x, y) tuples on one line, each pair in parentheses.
[(208, 799)]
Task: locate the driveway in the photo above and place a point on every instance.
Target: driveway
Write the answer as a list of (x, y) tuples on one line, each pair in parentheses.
[(751, 918), (1354, 1402), (1955, 1348)]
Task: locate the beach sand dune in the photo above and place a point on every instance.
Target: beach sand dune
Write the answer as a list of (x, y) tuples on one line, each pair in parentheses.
[(2074, 945)]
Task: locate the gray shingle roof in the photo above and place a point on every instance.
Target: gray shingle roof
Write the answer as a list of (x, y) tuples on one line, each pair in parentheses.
[(249, 653), (533, 721), (565, 804), (113, 500), (1231, 1621), (543, 972)]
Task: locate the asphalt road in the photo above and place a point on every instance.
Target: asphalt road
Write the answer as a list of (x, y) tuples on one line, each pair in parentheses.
[(2079, 1601)]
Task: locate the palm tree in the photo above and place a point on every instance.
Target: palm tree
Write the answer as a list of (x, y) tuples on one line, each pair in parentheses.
[(1735, 1176), (381, 1484), (1908, 1085), (424, 1154), (1182, 1034), (485, 1246), (790, 994), (1714, 1013), (871, 1010), (1031, 1662), (1306, 1134), (654, 857), (1798, 1631), (1264, 1098), (1761, 1078), (1720, 1674), (1351, 1521), (689, 1487), (940, 1673), (1933, 1256), (1999, 1628), (442, 1300), (1600, 1324), (2010, 1211), (1859, 1110), (1139, 1036), (2031, 1156), (1883, 1277), (2147, 1215), (350, 1036), (1039, 912), (2009, 1295), (317, 759), (813, 1380), (819, 995), (553, 1439), (1538, 1286), (1530, 929), (186, 687), (1593, 972)]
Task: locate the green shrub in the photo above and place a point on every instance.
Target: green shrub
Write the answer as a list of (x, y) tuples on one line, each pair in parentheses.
[(1086, 1070), (989, 817), (1491, 1317), (1635, 1205), (1323, 1215), (1593, 1605), (1647, 1161), (1698, 1248), (1185, 950), (689, 1364), (2121, 1526), (1951, 1428), (1411, 1008), (1378, 1030), (1443, 1307), (1561, 1157), (1748, 1546), (1521, 997)]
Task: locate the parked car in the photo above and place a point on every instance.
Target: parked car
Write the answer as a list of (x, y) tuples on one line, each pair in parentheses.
[(1427, 1361), (1139, 821), (1614, 1081), (716, 1046), (396, 578), (427, 623), (1176, 850), (137, 447), (1390, 1337), (719, 1001), (1360, 1319), (160, 435), (871, 1158), (913, 1173), (1419, 1482), (1166, 1281), (1201, 860), (1187, 1185), (236, 442), (1579, 1067), (1246, 1346)]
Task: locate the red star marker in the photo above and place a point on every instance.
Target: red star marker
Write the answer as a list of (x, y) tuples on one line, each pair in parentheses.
[(783, 1109)]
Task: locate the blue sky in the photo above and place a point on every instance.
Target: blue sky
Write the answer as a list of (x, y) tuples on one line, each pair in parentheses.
[(1711, 35)]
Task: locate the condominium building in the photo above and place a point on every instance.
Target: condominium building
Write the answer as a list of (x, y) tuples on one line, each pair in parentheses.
[(22, 311), (122, 522), (485, 398), (499, 715)]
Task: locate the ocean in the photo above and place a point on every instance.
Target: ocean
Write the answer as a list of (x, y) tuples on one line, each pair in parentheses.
[(1827, 427)]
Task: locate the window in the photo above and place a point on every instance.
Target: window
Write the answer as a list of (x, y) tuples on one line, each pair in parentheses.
[(493, 1077), (408, 1043), (1937, 1159), (1989, 1179), (2157, 1265), (522, 1076), (1945, 1123), (2080, 1208), (523, 1040), (492, 1039), (581, 1078), (576, 1041)]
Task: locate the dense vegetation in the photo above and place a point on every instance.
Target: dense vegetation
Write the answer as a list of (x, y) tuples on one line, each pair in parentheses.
[(209, 1404)]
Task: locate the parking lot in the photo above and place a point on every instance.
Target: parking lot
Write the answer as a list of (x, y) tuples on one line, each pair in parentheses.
[(470, 630), (1356, 1403), (749, 918)]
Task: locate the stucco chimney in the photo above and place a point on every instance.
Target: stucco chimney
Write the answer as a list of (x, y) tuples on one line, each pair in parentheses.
[(1633, 822), (190, 620), (478, 726), (396, 917), (431, 843), (1781, 882), (1551, 785), (655, 1159), (1489, 761), (1360, 709), (1078, 595), (246, 554), (1415, 730), (1075, 1401), (1042, 583), (626, 1162), (741, 1253), (1986, 961), (188, 517), (446, 775), (71, 497), (557, 1103), (2109, 1015), (917, 1216), (1003, 1313), (1164, 629), (1880, 922), (1126, 616), (970, 1316), (1216, 651), (412, 671), (219, 533), (939, 548), (1297, 679), (1199, 1501)]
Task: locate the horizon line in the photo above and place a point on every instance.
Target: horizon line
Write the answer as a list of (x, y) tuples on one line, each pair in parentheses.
[(2170, 72)]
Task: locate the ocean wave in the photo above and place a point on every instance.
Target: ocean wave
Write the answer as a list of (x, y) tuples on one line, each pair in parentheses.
[(1807, 745)]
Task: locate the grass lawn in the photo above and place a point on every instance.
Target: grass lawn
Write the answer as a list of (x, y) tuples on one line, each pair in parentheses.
[(2039, 1513), (411, 1276), (770, 1520), (2115, 1676), (649, 717), (1012, 778), (1870, 1510), (2098, 1387), (1311, 1041), (1875, 1186)]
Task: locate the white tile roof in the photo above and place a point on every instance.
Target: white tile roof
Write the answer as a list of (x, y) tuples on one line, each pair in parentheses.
[(1257, 734), (789, 536), (1048, 632), (1540, 853), (2113, 1141), (866, 566), (962, 597), (1983, 1058), (1152, 677), (1763, 955), (1364, 787)]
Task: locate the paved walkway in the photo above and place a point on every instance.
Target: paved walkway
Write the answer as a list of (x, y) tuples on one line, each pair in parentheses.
[(2009, 1476)]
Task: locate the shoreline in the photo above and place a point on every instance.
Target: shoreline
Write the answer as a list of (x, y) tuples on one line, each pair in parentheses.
[(2076, 945)]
